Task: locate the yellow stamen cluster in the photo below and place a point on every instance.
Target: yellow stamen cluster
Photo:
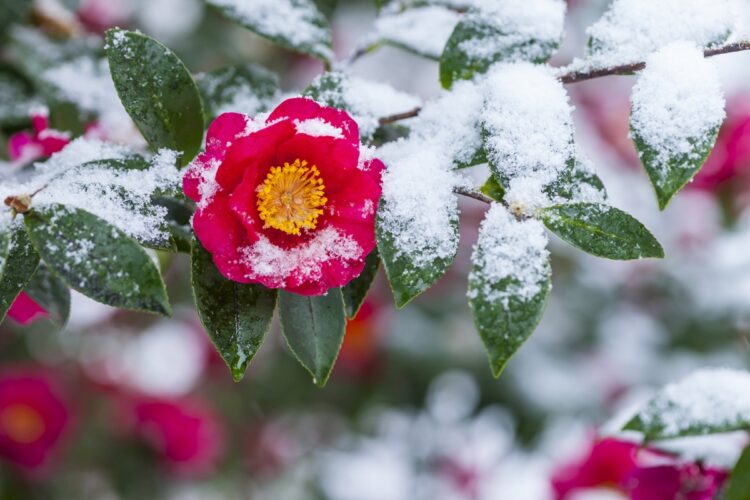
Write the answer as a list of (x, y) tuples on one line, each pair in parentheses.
[(21, 423), (291, 197)]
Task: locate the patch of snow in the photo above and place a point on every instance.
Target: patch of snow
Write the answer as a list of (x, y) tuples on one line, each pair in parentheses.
[(424, 30)]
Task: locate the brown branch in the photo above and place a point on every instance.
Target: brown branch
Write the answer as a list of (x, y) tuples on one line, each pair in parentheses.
[(470, 193), (580, 76), (629, 69)]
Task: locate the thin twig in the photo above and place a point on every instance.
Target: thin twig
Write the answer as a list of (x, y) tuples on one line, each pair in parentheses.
[(629, 69), (580, 76), (470, 193)]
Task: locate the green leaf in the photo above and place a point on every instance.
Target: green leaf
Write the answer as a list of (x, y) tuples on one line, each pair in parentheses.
[(356, 291), (466, 53), (602, 230), (157, 91), (708, 401), (577, 181), (178, 222), (314, 330), (669, 174), (51, 293), (18, 261), (16, 99), (13, 11), (237, 316), (97, 259), (245, 88), (493, 189), (509, 283), (297, 25), (408, 276), (738, 487)]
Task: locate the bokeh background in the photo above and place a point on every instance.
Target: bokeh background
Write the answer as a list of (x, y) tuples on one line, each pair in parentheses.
[(132, 406)]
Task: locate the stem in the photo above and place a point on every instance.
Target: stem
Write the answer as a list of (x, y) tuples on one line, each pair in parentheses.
[(471, 193), (580, 76)]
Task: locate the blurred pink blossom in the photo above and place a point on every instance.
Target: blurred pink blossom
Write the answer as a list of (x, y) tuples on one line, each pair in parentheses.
[(26, 146), (33, 418), (26, 310)]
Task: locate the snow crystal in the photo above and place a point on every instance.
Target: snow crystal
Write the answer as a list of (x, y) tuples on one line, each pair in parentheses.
[(424, 30), (419, 208), (87, 83), (631, 29), (718, 397), (279, 264), (317, 127), (293, 20), (514, 24), (528, 122), (677, 101), (508, 248)]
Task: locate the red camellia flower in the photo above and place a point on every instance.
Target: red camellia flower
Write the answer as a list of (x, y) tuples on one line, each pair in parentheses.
[(289, 201), (186, 434), (33, 418)]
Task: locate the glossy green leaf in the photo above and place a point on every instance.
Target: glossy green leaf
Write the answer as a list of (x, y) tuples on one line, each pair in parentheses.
[(157, 91), (356, 291), (602, 230), (668, 176), (295, 24), (407, 276), (97, 259), (738, 487), (18, 261), (509, 284), (493, 189), (245, 88), (51, 293), (314, 330), (237, 316), (467, 53)]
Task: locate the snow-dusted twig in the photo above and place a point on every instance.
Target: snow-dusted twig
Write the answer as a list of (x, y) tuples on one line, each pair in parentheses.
[(471, 193), (583, 75)]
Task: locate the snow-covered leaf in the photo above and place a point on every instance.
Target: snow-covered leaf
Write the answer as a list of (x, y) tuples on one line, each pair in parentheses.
[(295, 24), (601, 230), (423, 30), (356, 291), (508, 284), (314, 330), (577, 182), (738, 487), (632, 29), (708, 401), (417, 221), (18, 261), (502, 30), (245, 88), (97, 259), (51, 293), (237, 316), (677, 110), (366, 101), (157, 91)]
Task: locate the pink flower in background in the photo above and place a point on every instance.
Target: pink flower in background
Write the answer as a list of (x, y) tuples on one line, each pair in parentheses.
[(640, 473), (686, 482), (730, 157), (33, 418), (608, 463), (26, 146), (26, 310), (100, 15), (187, 435)]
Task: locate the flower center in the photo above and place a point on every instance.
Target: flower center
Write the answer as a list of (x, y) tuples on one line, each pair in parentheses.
[(21, 423), (291, 196)]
